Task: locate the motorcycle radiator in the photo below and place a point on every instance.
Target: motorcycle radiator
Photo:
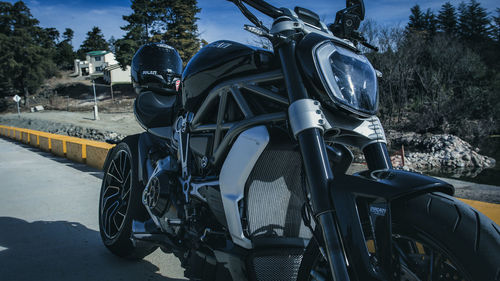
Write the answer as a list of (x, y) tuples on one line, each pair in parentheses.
[(274, 195), (274, 199)]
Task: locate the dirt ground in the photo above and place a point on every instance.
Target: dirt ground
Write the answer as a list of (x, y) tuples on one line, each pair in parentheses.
[(70, 93), (79, 124), (122, 123)]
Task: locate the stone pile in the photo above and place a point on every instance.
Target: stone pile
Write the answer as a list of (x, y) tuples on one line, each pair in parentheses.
[(424, 152)]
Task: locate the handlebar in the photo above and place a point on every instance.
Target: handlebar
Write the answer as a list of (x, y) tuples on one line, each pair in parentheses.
[(264, 7)]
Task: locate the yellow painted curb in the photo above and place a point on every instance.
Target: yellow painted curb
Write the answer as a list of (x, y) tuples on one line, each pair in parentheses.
[(25, 137), (58, 147), (490, 210), (75, 151), (44, 142), (96, 153), (34, 140), (93, 153)]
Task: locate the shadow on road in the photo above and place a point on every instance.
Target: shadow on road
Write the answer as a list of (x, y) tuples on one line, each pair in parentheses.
[(61, 250)]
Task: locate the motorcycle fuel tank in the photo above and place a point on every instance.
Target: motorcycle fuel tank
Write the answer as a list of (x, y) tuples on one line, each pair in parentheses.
[(217, 61)]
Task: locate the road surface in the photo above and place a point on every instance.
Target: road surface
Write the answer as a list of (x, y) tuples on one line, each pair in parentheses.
[(49, 224)]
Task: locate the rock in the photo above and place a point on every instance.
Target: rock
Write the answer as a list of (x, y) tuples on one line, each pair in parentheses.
[(39, 108), (428, 151)]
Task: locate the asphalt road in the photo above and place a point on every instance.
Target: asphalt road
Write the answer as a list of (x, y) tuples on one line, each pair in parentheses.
[(49, 225)]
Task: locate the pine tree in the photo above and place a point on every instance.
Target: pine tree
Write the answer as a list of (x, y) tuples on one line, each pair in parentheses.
[(181, 29), (430, 22), (68, 35), (170, 21), (50, 36), (64, 55), (141, 24), (25, 60), (447, 19), (126, 47), (112, 43), (94, 42), (473, 22), (64, 50), (417, 19), (145, 14), (496, 21)]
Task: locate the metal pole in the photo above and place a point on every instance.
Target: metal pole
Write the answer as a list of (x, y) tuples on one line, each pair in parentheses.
[(95, 98), (96, 112), (18, 111), (112, 91), (403, 155)]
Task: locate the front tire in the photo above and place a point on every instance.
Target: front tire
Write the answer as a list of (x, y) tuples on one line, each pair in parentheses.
[(120, 201), (439, 238)]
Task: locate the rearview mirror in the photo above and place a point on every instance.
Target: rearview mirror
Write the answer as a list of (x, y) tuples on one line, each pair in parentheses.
[(358, 8)]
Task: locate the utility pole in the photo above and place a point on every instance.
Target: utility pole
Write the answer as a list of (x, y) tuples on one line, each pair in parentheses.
[(96, 112)]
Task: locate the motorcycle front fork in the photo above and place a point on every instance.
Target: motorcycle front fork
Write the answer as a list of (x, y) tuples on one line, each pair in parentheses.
[(317, 167)]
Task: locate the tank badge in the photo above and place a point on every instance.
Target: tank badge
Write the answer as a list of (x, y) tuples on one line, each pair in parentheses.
[(149, 72), (220, 45)]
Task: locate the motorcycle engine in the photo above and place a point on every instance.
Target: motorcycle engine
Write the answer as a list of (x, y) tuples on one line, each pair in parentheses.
[(159, 196)]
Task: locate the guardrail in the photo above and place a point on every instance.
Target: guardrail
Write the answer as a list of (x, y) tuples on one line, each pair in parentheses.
[(92, 153)]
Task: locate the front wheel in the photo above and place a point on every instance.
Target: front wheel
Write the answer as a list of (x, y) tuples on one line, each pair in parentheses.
[(436, 237), (120, 201)]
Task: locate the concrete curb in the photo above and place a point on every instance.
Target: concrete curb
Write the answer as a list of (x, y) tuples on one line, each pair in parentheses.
[(92, 153)]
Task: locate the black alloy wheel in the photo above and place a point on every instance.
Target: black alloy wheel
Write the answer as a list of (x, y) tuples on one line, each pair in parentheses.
[(121, 201), (115, 197)]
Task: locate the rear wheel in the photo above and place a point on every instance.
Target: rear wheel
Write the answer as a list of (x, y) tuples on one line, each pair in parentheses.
[(120, 201), (435, 237)]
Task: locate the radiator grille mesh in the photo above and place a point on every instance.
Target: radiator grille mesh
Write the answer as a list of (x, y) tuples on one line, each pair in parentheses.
[(274, 195), (277, 268)]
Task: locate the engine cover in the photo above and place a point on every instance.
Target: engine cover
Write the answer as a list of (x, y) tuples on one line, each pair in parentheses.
[(161, 194), (158, 198)]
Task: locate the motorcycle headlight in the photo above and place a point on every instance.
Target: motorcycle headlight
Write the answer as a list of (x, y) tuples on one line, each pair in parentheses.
[(349, 79)]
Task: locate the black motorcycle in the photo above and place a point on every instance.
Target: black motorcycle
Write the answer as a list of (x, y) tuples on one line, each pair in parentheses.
[(241, 172)]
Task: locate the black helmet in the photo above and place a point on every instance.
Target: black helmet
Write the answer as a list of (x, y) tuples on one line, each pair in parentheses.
[(157, 67)]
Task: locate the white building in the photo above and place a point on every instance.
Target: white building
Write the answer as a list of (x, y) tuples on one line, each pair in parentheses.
[(94, 63), (113, 74)]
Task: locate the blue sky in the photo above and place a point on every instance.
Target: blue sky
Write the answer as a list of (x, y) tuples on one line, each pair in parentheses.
[(219, 19)]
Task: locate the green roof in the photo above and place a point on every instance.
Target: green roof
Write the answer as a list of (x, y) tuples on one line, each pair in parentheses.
[(97, 53)]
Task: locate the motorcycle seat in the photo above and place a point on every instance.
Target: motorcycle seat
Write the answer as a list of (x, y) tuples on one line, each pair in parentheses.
[(155, 110)]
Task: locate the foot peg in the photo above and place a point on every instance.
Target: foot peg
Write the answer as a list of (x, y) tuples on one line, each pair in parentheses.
[(147, 227), (148, 233)]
